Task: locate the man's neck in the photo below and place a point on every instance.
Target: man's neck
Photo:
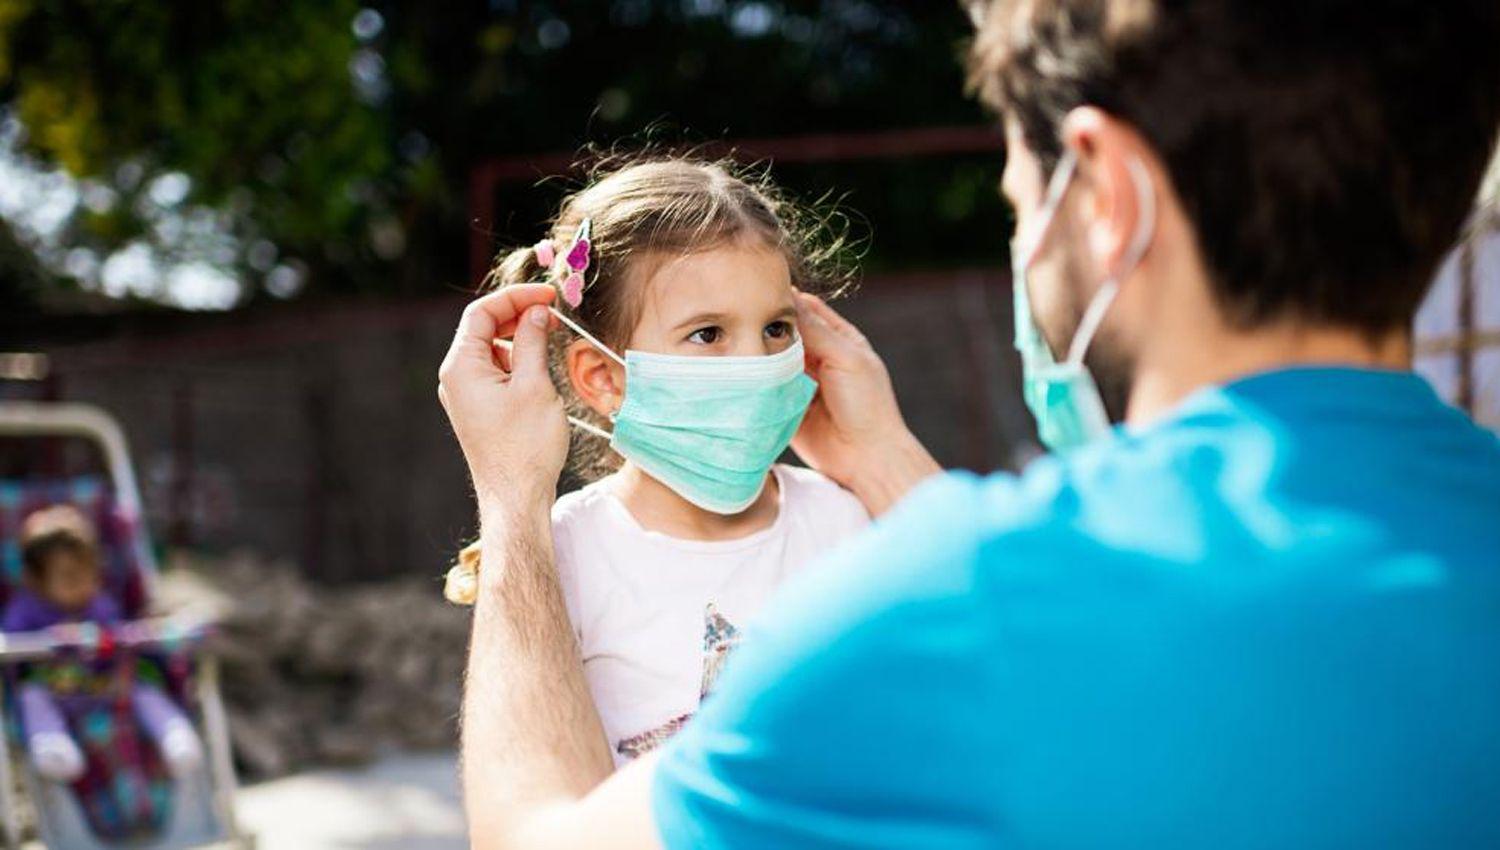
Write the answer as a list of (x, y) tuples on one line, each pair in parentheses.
[(657, 507), (1165, 378)]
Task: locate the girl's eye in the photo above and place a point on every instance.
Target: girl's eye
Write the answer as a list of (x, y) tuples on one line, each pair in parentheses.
[(779, 330), (706, 336)]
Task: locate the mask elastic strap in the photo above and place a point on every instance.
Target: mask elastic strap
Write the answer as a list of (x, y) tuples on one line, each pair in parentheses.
[(1139, 242), (1062, 177), (588, 427), (588, 337)]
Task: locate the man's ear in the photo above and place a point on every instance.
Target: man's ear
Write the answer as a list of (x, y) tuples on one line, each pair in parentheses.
[(597, 379), (1107, 148)]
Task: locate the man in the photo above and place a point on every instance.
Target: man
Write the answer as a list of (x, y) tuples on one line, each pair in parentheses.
[(1265, 613)]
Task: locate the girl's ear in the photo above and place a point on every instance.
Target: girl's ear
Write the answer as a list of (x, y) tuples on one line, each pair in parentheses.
[(598, 380)]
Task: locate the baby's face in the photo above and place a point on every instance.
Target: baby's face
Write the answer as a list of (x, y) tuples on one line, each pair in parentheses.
[(735, 299), (70, 580)]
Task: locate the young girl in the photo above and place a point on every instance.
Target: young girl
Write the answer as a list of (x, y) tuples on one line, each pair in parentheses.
[(682, 368), (60, 558)]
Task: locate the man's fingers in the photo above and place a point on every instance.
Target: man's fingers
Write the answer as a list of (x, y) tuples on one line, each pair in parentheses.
[(483, 320), (812, 304), (528, 354), (819, 337), (503, 348), (495, 314)]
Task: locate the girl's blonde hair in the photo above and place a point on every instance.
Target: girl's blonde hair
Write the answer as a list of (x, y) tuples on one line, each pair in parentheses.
[(642, 210)]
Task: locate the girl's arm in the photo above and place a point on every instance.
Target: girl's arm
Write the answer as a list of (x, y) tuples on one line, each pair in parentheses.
[(104, 611)]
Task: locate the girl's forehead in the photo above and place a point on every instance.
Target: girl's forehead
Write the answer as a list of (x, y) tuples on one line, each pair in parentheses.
[(68, 560), (738, 276)]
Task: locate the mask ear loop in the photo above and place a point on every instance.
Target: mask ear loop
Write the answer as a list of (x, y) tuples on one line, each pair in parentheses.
[(1139, 241), (588, 427), (1062, 178)]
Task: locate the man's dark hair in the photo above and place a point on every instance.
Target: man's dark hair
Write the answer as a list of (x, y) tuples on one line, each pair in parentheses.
[(1327, 151)]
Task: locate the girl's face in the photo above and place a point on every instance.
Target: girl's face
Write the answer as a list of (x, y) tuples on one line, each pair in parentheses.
[(732, 300), (735, 299), (70, 580)]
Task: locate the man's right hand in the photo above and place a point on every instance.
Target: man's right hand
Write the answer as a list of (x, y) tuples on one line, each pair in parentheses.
[(504, 409), (853, 431)]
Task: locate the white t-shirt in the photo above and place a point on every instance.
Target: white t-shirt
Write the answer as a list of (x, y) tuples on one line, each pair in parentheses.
[(656, 615)]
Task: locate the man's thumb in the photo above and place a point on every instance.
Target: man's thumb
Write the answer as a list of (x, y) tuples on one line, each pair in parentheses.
[(818, 337), (528, 354)]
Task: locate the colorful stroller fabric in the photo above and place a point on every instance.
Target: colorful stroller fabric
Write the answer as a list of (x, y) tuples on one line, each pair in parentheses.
[(125, 793)]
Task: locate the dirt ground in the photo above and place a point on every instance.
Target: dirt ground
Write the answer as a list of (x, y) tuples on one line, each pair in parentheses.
[(400, 802)]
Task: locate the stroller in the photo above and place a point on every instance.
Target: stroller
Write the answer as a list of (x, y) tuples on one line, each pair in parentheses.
[(54, 453)]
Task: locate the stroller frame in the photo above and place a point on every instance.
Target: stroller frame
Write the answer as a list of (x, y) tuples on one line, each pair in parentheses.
[(38, 419)]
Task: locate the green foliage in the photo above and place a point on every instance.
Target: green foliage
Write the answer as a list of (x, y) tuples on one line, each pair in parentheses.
[(353, 155), (252, 101)]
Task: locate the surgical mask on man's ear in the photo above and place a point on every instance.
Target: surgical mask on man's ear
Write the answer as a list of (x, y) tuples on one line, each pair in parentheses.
[(707, 427), (1063, 397)]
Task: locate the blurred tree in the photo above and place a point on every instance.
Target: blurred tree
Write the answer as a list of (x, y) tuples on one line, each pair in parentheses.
[(324, 138), (552, 75), (244, 108), (22, 278)]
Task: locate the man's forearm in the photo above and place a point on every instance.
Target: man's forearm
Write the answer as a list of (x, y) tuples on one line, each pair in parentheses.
[(531, 735), (891, 471)]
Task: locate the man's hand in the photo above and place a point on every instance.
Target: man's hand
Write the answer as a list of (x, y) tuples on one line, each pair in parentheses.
[(853, 431), (500, 399), (535, 758)]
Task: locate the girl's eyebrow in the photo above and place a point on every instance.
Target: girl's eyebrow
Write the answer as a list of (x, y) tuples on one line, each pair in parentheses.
[(705, 318), (701, 319)]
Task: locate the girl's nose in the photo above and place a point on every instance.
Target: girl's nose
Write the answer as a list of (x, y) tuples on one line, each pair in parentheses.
[(752, 348)]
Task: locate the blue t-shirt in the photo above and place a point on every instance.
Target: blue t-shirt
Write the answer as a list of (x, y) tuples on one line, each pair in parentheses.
[(1270, 621)]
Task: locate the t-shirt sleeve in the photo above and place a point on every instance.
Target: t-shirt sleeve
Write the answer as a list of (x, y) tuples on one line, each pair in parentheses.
[(842, 509), (565, 520), (16, 618), (835, 514), (824, 730)]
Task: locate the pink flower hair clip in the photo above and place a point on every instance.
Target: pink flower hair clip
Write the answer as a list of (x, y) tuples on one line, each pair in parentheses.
[(577, 260)]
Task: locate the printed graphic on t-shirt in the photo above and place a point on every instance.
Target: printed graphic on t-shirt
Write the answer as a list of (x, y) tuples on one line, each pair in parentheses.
[(719, 637)]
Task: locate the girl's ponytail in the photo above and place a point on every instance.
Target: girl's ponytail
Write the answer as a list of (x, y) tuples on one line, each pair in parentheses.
[(517, 266)]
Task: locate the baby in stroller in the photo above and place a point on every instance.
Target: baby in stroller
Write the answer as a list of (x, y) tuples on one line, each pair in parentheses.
[(61, 585)]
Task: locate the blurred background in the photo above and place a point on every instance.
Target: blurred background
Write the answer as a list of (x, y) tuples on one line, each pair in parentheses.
[(245, 231)]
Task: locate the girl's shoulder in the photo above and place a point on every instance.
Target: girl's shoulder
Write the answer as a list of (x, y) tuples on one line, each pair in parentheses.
[(807, 491), (588, 518), (588, 503), (582, 529)]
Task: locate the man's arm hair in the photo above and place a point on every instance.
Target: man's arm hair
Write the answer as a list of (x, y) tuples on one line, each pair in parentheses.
[(534, 751)]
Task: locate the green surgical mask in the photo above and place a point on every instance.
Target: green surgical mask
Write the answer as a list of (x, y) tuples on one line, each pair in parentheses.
[(707, 427), (1063, 397)]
